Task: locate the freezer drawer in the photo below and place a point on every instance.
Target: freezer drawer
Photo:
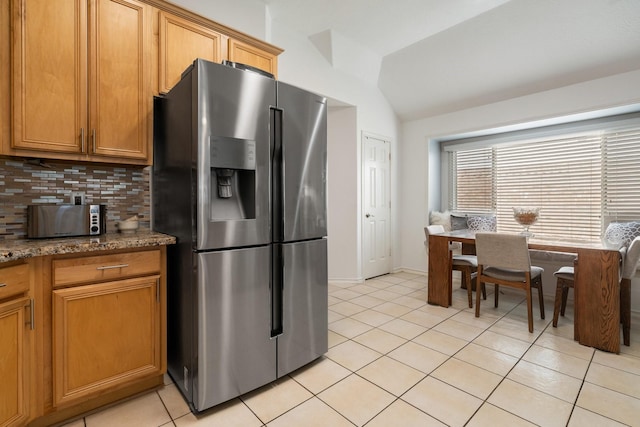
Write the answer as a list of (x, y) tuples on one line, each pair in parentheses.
[(235, 351), (304, 335)]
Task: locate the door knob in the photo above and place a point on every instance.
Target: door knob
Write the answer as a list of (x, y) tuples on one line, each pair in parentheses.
[(368, 215)]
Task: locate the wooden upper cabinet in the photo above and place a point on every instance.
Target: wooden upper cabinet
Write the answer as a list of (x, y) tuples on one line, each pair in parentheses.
[(49, 74), (251, 55), (121, 93), (5, 76), (184, 37), (181, 42), (83, 73), (81, 78)]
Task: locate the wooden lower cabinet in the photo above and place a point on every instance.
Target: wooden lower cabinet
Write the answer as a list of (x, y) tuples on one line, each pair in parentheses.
[(104, 336), (16, 343), (15, 357), (100, 335)]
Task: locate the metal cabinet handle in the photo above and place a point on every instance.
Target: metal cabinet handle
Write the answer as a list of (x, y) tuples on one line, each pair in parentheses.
[(93, 140), (32, 315), (2, 285), (109, 267), (82, 140)]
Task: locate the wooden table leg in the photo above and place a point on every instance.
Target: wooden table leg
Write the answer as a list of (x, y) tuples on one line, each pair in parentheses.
[(597, 299), (576, 331), (439, 290)]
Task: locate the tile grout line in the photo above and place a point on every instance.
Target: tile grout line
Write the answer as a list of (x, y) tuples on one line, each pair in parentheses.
[(520, 358), (406, 340)]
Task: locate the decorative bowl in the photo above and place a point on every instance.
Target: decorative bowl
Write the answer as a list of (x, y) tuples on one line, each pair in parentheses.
[(526, 217), (127, 226)]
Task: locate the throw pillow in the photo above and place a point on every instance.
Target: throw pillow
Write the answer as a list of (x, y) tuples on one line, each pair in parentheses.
[(622, 233), (458, 222), (441, 218), (482, 223)]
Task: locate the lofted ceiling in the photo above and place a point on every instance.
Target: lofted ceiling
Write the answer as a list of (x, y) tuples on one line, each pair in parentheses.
[(432, 57)]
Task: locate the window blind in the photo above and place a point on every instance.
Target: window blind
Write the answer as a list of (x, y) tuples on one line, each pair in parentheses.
[(579, 180), (474, 190), (620, 181)]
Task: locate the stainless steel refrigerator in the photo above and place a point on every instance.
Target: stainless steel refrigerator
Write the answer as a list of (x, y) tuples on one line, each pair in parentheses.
[(239, 177)]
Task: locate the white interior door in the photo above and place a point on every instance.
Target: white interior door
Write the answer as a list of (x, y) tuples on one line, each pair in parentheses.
[(376, 206)]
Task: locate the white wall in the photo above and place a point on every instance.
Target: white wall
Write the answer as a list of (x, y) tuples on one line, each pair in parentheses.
[(420, 179), (342, 184), (415, 174), (303, 65)]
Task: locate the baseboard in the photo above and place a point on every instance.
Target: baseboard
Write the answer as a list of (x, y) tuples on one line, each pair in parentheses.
[(339, 280), (343, 280), (409, 270)]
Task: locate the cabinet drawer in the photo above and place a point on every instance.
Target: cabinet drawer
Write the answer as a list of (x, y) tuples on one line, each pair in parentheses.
[(104, 267), (14, 280)]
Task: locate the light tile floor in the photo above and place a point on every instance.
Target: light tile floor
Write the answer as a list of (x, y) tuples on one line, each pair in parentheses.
[(395, 361)]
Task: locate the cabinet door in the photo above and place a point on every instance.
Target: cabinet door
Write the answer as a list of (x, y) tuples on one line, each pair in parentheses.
[(182, 42), (250, 55), (105, 336), (5, 77), (14, 363), (49, 76), (120, 89)]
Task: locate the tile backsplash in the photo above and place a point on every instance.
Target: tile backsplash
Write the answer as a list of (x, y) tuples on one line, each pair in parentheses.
[(123, 189)]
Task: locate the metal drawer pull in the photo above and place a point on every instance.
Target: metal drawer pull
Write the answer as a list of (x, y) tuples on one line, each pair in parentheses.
[(2, 285), (32, 314), (109, 267)]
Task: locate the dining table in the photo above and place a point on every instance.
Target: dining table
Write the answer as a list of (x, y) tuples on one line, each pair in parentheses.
[(596, 283)]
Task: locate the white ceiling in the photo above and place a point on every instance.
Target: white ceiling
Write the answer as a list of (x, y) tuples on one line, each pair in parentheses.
[(438, 56)]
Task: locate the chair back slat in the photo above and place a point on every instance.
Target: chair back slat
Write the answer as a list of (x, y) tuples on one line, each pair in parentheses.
[(432, 229), (631, 259), (500, 250)]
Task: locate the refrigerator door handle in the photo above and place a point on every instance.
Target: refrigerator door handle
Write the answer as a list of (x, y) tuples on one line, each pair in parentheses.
[(277, 291), (277, 175)]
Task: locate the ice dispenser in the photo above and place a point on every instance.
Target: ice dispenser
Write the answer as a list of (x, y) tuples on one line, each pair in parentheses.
[(233, 176)]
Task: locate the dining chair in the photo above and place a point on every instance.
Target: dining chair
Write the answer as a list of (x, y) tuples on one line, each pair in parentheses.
[(565, 277), (503, 259), (465, 264), (630, 259)]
